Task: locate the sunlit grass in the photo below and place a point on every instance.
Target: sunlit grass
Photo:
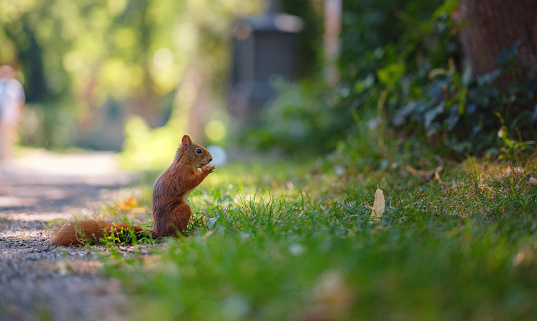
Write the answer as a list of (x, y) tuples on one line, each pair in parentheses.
[(287, 241)]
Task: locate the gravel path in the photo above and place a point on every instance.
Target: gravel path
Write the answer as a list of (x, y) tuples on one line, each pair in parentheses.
[(39, 281)]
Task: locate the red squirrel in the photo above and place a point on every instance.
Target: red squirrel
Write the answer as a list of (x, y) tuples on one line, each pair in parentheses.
[(171, 212)]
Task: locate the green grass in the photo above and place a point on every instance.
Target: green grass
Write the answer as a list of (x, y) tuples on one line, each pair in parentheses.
[(288, 241)]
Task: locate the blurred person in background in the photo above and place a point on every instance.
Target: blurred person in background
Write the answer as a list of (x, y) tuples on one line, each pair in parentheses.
[(11, 103)]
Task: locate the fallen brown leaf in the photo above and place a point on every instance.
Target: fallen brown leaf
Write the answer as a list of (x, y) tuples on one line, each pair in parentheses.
[(379, 205), (127, 204)]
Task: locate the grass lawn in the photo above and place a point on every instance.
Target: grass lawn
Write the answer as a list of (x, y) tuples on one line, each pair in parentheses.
[(290, 241)]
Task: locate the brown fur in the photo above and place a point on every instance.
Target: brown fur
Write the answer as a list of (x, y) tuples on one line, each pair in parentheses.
[(78, 232), (171, 212)]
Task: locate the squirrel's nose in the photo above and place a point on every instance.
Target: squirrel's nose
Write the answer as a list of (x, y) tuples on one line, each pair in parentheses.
[(210, 160)]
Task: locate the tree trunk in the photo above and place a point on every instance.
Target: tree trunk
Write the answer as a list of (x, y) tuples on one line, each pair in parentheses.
[(491, 25)]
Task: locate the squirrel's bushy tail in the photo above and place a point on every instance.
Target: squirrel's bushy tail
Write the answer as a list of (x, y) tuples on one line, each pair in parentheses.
[(78, 232)]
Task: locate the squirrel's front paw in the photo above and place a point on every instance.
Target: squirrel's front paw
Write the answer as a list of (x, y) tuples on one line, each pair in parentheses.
[(208, 169)]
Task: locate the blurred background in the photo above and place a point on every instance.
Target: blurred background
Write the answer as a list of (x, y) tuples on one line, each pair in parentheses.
[(296, 76)]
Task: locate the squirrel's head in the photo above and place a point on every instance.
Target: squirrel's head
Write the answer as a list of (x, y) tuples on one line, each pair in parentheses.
[(195, 154)]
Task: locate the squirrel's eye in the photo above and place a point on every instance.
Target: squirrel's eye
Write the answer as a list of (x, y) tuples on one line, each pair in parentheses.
[(198, 150)]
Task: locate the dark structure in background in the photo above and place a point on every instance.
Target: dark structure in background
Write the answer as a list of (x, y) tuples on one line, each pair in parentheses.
[(265, 46)]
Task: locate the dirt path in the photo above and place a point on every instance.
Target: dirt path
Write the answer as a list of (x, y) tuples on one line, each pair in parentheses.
[(39, 281)]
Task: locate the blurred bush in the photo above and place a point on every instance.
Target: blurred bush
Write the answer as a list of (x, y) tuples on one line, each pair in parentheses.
[(399, 64), (301, 119), (313, 117)]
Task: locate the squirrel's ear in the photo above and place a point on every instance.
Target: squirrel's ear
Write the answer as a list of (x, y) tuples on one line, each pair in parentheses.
[(186, 140)]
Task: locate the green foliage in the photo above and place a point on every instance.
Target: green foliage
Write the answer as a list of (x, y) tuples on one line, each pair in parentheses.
[(399, 65), (445, 107), (146, 149), (369, 60), (77, 56), (465, 115), (376, 34)]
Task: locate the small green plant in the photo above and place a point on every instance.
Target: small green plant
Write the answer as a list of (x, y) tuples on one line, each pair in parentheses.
[(126, 236), (512, 148)]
